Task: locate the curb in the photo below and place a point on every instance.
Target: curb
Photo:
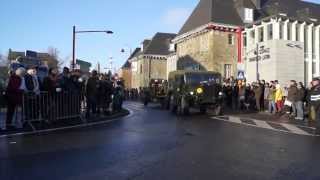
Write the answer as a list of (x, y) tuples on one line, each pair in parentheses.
[(107, 120)]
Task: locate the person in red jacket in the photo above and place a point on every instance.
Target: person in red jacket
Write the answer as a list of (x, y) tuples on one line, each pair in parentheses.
[(14, 93)]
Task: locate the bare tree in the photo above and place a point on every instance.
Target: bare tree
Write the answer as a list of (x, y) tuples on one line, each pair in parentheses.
[(54, 61)]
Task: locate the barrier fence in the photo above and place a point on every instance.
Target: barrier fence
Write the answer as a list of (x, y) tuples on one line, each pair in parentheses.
[(50, 107)]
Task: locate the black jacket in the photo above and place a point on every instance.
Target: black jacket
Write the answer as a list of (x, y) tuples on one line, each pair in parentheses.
[(314, 97)]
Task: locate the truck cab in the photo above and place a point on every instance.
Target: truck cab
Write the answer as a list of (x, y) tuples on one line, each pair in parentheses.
[(195, 89)]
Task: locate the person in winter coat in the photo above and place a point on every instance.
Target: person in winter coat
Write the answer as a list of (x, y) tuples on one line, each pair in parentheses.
[(314, 99), (271, 99), (31, 103), (92, 87), (292, 97), (279, 98), (50, 83), (299, 104), (241, 95), (257, 89), (14, 93)]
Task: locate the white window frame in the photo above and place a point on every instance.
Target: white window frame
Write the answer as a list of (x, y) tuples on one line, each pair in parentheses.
[(248, 15)]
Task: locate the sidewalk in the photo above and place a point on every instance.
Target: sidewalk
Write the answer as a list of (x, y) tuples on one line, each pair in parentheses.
[(265, 116), (62, 124)]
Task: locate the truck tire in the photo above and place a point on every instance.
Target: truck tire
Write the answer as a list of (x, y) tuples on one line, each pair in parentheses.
[(218, 110), (184, 107), (203, 109), (172, 105)]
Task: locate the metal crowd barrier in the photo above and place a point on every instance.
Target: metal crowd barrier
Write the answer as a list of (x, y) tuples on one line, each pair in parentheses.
[(51, 107), (3, 110)]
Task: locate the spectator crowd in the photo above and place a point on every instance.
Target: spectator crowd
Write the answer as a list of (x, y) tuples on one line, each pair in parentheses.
[(292, 100), (26, 95)]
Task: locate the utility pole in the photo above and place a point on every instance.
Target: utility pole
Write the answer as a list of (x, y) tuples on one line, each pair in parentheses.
[(257, 61), (74, 42), (73, 48)]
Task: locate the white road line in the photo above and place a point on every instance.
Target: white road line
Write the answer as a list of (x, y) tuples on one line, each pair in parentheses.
[(134, 105), (235, 120), (62, 128), (295, 129), (263, 124)]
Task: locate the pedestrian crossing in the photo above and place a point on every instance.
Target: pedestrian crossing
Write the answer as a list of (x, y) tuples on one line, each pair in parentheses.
[(134, 106), (275, 126)]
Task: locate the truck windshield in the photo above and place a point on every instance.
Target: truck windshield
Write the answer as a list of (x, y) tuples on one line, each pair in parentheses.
[(202, 78)]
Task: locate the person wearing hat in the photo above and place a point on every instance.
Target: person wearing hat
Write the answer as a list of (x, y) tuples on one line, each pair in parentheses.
[(314, 99)]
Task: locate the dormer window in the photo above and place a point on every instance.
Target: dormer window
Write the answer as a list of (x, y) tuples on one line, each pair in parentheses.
[(248, 15)]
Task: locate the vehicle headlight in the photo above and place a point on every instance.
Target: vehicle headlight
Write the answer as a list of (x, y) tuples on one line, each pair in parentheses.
[(220, 94), (199, 90), (191, 93)]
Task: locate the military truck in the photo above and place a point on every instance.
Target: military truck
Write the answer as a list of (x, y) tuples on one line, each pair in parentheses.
[(156, 92), (195, 89)]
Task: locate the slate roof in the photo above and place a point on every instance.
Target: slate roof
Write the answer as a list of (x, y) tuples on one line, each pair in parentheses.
[(160, 44), (135, 53), (226, 12), (218, 11)]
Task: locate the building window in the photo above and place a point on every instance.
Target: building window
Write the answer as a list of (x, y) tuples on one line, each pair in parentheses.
[(252, 36), (306, 47), (298, 32), (270, 31), (227, 71), (230, 39), (245, 40), (313, 44), (140, 68), (261, 34), (281, 30), (248, 15), (289, 31)]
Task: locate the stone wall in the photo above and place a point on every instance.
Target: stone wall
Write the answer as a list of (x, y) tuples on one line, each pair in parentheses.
[(149, 68), (126, 75), (208, 51)]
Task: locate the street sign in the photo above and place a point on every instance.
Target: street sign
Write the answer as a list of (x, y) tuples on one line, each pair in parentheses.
[(240, 75)]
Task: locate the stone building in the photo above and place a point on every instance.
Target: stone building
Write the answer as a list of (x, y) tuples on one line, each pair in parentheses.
[(211, 38), (126, 70), (287, 40), (223, 36), (151, 61)]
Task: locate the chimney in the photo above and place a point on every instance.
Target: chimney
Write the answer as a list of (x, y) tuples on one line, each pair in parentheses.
[(144, 44), (257, 3)]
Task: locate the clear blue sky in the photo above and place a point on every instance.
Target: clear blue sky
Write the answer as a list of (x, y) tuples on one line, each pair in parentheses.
[(38, 24)]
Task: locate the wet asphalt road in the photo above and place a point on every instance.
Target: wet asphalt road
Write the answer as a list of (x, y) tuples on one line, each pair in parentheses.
[(153, 144)]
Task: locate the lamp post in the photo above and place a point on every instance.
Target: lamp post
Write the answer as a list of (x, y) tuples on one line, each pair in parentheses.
[(74, 42), (257, 62)]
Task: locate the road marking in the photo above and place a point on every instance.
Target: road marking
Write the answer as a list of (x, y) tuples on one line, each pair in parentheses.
[(295, 129), (263, 124), (235, 120)]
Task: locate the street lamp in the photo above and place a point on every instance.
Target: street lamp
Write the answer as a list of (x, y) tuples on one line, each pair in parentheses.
[(256, 53), (74, 42)]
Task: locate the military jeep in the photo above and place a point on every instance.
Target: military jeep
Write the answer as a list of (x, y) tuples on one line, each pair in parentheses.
[(195, 89)]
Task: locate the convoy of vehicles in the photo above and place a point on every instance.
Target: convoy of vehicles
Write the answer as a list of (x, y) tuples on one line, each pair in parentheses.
[(185, 90)]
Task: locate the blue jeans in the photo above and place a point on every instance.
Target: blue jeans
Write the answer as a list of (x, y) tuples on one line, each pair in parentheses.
[(272, 107), (299, 109)]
